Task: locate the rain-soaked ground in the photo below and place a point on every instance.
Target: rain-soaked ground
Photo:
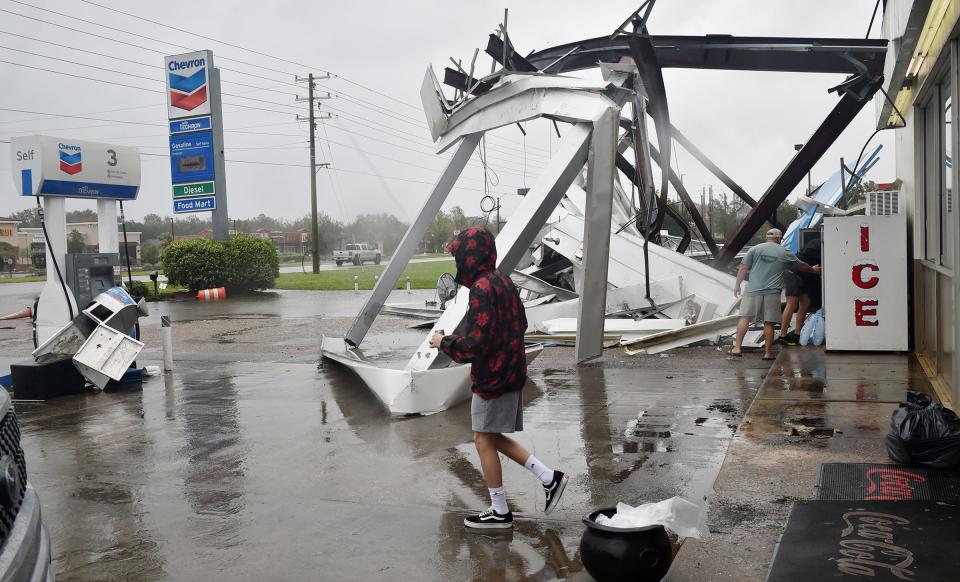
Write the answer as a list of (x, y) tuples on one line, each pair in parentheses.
[(249, 463)]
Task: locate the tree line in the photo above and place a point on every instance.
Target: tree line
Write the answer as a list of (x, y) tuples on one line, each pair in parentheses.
[(723, 215), (382, 228)]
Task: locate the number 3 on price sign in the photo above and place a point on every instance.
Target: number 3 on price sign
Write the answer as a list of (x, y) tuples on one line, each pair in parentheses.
[(113, 158)]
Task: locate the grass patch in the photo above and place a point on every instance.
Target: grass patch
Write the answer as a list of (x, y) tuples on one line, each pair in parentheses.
[(36, 279), (422, 276), (167, 293)]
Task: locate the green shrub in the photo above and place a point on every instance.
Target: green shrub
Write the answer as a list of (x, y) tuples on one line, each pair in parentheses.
[(252, 263), (138, 290), (240, 264), (195, 264)]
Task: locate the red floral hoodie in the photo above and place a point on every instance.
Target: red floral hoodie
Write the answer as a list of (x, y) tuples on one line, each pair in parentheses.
[(495, 325)]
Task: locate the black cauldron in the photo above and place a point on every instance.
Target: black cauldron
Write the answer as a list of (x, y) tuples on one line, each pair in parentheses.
[(615, 554)]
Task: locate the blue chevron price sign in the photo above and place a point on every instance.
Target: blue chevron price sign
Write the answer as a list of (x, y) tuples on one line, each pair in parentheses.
[(197, 173)]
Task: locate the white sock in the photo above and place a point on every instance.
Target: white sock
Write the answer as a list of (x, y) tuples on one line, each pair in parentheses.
[(498, 500), (543, 472)]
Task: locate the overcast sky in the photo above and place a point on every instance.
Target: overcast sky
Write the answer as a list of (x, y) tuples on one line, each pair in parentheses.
[(378, 143)]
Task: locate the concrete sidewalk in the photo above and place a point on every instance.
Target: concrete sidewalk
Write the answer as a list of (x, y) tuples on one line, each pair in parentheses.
[(813, 407)]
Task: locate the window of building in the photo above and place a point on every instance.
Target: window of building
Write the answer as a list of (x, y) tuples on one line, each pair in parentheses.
[(946, 187), (933, 176)]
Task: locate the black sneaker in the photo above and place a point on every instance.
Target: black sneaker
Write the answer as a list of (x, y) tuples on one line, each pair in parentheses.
[(554, 490), (489, 519)]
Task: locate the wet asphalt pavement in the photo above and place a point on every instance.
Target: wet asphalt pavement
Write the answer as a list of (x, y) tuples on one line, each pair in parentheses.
[(249, 463)]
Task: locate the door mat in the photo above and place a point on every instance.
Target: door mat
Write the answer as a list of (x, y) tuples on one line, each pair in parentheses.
[(885, 483), (868, 540)]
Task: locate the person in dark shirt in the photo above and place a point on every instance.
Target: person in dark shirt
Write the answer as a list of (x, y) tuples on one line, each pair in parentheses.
[(803, 291), (493, 345)]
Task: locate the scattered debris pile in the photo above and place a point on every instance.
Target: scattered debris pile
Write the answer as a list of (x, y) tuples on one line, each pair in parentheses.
[(588, 244)]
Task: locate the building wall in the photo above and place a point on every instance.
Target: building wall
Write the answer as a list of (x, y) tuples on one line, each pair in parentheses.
[(24, 238), (927, 92)]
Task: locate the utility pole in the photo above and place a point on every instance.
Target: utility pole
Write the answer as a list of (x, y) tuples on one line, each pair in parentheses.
[(711, 208), (312, 119)]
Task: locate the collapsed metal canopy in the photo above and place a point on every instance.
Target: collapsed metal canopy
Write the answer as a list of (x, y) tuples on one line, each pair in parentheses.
[(593, 235), (722, 51)]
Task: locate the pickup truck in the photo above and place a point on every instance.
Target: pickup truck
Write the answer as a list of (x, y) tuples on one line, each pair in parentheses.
[(358, 254)]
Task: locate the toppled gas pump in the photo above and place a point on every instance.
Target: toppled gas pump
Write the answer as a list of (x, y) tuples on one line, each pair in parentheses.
[(97, 339)]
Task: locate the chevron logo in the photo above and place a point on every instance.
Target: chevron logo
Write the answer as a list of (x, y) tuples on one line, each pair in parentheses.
[(188, 92), (190, 83), (70, 159), (188, 102)]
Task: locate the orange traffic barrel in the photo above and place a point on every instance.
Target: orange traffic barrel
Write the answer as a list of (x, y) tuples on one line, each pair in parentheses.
[(218, 294)]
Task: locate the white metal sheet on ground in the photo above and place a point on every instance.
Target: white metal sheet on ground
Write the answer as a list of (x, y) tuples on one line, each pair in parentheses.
[(668, 340), (712, 289), (627, 299), (405, 391), (416, 310), (611, 326), (865, 270)]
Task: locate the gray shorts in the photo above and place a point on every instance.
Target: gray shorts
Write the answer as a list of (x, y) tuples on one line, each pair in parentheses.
[(764, 308), (501, 414)]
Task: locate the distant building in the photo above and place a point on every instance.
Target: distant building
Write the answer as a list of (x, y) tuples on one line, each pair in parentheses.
[(26, 246), (291, 242)]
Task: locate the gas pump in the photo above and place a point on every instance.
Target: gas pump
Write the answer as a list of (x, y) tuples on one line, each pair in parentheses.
[(71, 339), (53, 169), (90, 274)]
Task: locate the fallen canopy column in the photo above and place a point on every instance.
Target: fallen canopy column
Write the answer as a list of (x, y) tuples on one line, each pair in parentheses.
[(814, 148), (408, 245), (519, 232), (596, 235)]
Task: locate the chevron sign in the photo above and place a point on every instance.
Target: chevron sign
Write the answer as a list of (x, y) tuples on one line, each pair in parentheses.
[(70, 159), (187, 78)]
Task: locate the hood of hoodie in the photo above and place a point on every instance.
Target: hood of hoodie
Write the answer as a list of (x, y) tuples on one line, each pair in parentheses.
[(475, 252)]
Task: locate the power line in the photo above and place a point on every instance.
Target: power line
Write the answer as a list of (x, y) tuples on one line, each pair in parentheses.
[(329, 141), (74, 17), (139, 46), (191, 33), (154, 80), (152, 66), (183, 46), (108, 82), (430, 154), (157, 80), (151, 79), (123, 122), (349, 118), (243, 48), (52, 115), (78, 76), (330, 169)]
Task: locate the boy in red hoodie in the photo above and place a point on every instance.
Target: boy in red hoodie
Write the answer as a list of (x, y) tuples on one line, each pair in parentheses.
[(493, 345)]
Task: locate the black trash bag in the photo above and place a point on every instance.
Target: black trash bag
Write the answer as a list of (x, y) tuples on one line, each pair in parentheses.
[(922, 433)]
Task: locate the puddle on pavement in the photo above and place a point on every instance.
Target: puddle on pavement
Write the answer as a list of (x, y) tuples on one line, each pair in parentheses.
[(226, 462)]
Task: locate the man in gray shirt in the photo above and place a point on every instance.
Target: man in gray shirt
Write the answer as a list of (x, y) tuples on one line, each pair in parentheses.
[(763, 267)]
